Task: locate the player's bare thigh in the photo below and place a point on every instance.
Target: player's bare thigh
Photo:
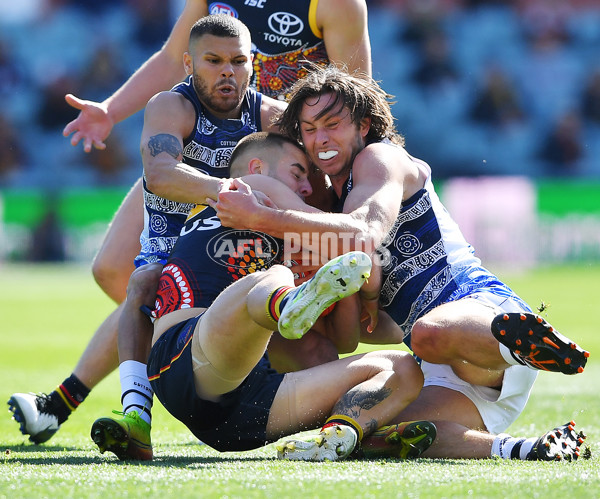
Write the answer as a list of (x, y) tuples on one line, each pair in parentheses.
[(438, 403), (305, 398), (457, 330), (210, 382), (113, 263)]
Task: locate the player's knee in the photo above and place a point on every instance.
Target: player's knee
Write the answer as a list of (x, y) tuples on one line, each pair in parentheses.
[(344, 338), (427, 339), (346, 345), (409, 374), (316, 350), (311, 350), (110, 279), (143, 284), (400, 374)]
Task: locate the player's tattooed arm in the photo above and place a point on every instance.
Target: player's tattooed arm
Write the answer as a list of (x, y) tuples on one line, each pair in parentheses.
[(164, 142), (357, 400), (371, 426)]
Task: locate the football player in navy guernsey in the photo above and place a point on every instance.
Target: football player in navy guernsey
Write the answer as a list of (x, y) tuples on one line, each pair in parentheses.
[(220, 296), (286, 36)]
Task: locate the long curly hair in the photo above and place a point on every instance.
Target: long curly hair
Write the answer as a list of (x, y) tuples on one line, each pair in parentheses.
[(360, 93)]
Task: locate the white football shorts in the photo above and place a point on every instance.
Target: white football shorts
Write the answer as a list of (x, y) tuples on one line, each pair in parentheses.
[(498, 409)]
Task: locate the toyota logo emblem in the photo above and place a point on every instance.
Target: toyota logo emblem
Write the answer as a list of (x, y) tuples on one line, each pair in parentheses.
[(285, 24)]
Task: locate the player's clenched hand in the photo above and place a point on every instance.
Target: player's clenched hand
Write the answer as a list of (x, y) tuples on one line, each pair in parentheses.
[(93, 124), (235, 205)]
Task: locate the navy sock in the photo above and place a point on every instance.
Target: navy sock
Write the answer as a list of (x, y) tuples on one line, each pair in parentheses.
[(67, 397)]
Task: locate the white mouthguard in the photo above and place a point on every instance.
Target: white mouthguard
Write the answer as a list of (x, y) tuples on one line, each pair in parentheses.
[(327, 154)]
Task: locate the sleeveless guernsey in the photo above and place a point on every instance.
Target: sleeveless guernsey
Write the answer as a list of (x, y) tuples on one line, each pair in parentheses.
[(208, 149), (426, 261)]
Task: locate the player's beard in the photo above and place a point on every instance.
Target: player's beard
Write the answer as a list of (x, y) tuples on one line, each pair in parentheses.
[(217, 104)]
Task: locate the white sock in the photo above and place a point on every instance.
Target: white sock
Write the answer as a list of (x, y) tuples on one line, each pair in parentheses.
[(504, 446), (508, 356), (136, 392)]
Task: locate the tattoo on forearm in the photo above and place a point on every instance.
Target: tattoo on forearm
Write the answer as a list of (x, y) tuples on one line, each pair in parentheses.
[(357, 399), (163, 142), (370, 426)]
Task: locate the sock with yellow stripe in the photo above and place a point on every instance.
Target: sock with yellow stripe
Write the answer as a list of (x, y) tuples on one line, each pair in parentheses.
[(67, 397), (343, 420), (276, 302)]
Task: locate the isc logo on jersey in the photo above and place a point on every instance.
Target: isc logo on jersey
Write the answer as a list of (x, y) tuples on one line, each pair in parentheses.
[(222, 8)]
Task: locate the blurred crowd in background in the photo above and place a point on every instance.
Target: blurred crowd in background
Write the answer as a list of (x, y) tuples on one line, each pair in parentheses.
[(480, 87), (494, 87)]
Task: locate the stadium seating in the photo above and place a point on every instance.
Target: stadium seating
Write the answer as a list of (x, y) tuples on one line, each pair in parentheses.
[(549, 82)]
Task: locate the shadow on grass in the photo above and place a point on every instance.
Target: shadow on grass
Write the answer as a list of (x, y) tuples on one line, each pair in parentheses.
[(76, 456), (33, 448), (35, 455)]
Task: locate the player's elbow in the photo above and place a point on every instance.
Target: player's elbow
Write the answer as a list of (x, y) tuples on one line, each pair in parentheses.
[(364, 234), (157, 181), (111, 275)]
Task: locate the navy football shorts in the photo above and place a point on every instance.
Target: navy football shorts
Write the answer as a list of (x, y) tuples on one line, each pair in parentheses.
[(238, 420)]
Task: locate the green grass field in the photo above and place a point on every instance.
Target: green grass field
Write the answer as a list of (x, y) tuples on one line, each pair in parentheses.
[(48, 313)]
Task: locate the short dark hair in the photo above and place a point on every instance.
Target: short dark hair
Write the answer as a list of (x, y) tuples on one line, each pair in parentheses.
[(258, 141), (222, 25), (359, 93)]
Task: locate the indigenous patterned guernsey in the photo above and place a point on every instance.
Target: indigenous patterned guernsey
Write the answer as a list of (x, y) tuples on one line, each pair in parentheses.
[(209, 257), (427, 261), (285, 39), (208, 149)]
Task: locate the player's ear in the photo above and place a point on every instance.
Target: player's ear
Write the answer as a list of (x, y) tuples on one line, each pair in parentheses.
[(364, 126), (255, 165), (187, 63)]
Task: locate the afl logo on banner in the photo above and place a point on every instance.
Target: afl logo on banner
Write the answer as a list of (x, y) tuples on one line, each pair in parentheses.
[(222, 8)]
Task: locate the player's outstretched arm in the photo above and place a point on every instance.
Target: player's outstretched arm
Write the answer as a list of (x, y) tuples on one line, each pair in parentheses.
[(160, 72), (92, 125), (345, 33)]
